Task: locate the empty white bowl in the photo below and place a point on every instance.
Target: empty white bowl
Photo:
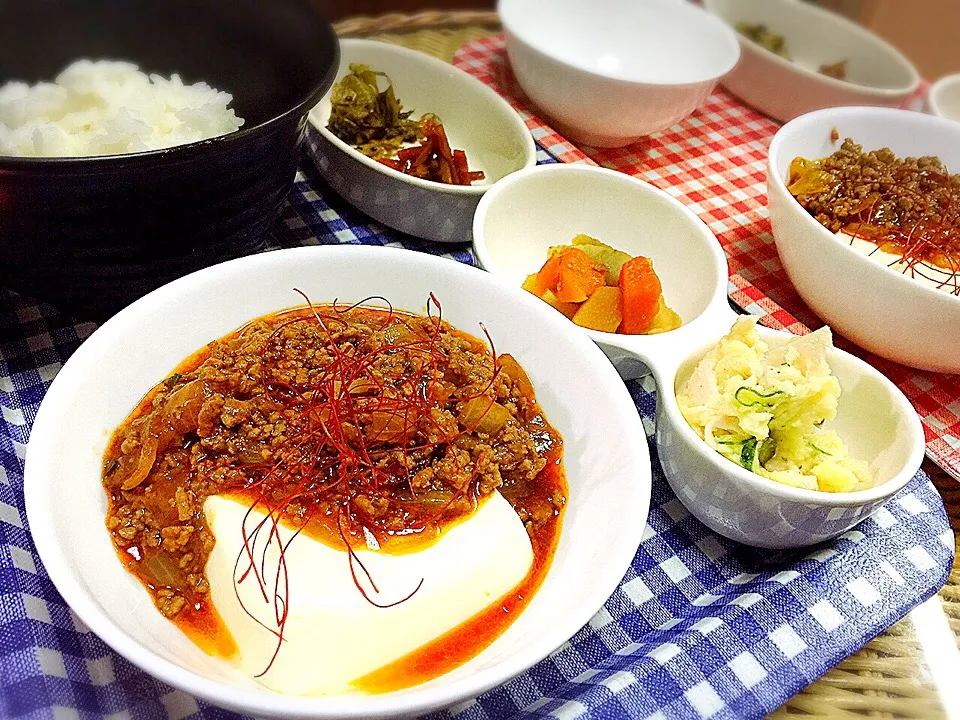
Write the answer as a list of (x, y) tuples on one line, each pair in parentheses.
[(476, 120), (877, 73), (511, 237), (876, 307), (606, 461), (944, 97), (611, 72)]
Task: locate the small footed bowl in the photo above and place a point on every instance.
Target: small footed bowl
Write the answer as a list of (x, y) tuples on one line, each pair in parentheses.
[(525, 214), (608, 76), (475, 118)]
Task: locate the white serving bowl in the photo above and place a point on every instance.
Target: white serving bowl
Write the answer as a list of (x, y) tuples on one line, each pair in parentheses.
[(511, 237), (523, 216), (611, 72), (944, 97), (876, 307), (874, 419), (475, 118), (877, 73), (606, 460)]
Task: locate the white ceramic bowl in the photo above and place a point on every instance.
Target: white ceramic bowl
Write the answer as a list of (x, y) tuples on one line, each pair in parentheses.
[(878, 308), (874, 419), (944, 97), (476, 120), (605, 458), (522, 217), (877, 73), (611, 72), (511, 237)]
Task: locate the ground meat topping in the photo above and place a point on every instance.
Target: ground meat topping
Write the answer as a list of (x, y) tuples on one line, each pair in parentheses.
[(909, 208), (368, 423)]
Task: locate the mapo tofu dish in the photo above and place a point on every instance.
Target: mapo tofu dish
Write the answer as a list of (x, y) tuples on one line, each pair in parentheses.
[(360, 427)]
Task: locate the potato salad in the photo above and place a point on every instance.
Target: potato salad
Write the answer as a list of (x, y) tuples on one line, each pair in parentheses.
[(763, 408)]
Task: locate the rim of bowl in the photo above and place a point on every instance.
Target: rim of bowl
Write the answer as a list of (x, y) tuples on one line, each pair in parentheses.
[(719, 293), (530, 154), (935, 90), (840, 113), (757, 483), (863, 35), (719, 26), (278, 705), (185, 152)]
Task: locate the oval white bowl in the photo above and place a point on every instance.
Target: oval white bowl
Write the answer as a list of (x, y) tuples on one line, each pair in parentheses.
[(525, 214), (608, 76), (944, 97), (878, 73), (606, 460), (876, 307), (476, 120)]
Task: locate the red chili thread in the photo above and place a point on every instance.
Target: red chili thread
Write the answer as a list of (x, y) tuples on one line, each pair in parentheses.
[(928, 248), (333, 458)]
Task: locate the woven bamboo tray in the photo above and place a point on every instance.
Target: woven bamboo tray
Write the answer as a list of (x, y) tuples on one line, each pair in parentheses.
[(890, 677)]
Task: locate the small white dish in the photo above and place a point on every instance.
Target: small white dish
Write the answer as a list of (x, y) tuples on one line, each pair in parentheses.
[(609, 74), (606, 461), (530, 211), (877, 73), (944, 97), (876, 307), (476, 119)]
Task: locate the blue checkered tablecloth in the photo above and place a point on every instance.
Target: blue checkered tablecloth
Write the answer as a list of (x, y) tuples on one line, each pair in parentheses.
[(699, 628)]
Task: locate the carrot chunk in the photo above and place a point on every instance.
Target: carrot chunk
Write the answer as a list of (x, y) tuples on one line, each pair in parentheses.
[(547, 278), (641, 295), (580, 276)]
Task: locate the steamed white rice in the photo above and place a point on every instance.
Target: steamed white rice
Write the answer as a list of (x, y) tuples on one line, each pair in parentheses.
[(108, 108)]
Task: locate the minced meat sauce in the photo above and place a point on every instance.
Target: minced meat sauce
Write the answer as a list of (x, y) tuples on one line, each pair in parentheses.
[(365, 427), (908, 207)]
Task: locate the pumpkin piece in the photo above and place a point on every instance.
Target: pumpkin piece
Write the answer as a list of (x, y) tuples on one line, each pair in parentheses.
[(580, 276), (604, 254), (531, 284), (602, 311), (641, 295), (582, 240), (568, 309), (665, 319), (610, 258)]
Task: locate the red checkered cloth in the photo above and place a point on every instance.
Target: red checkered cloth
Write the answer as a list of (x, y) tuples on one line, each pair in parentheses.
[(715, 162)]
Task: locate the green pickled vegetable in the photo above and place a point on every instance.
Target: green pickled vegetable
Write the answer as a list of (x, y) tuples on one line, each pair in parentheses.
[(370, 119), (763, 37)]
